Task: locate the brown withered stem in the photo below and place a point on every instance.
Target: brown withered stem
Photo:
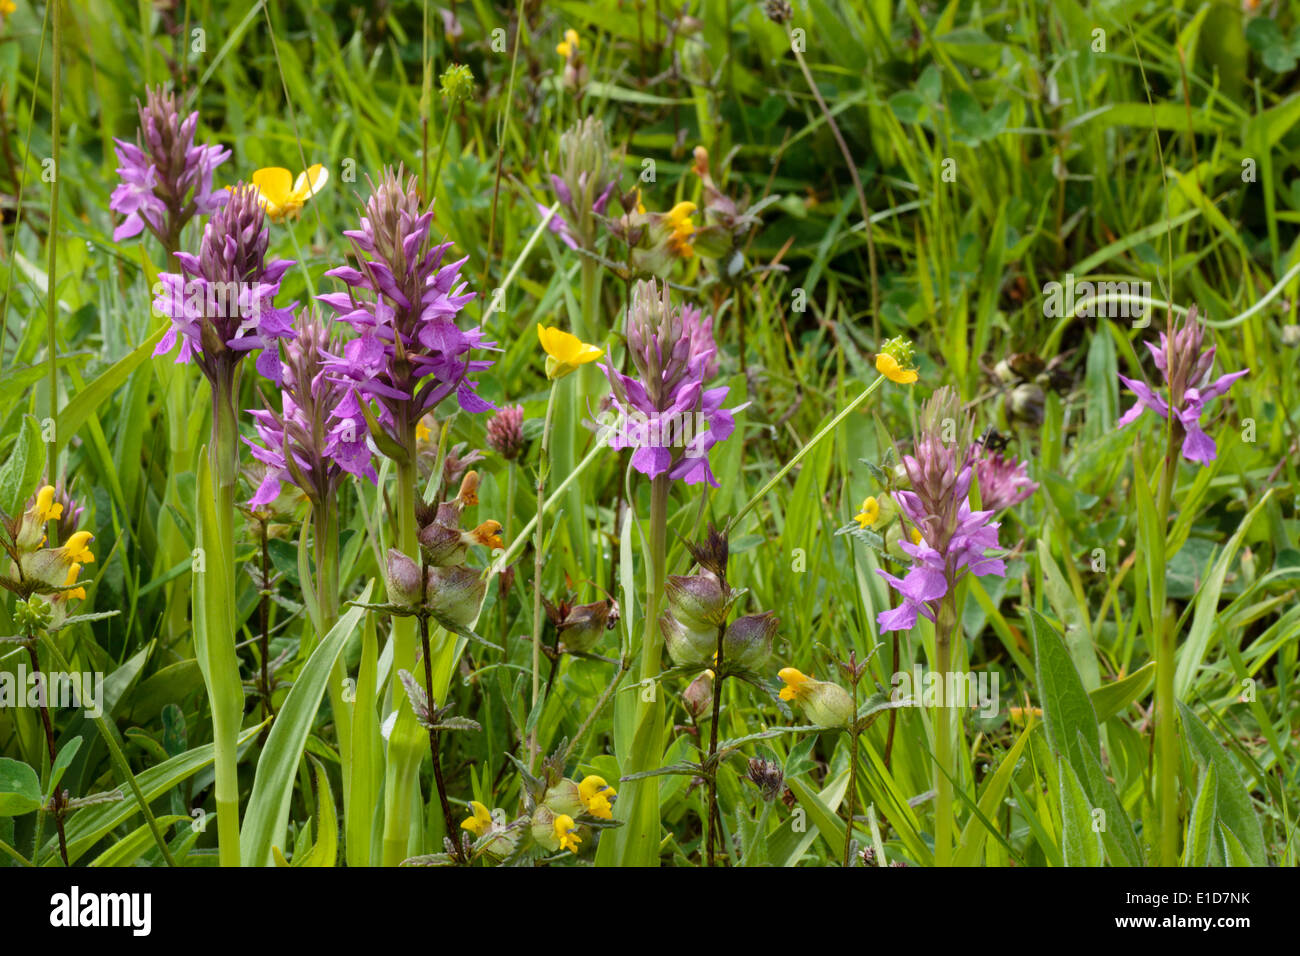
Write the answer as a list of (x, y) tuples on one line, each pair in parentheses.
[(56, 802)]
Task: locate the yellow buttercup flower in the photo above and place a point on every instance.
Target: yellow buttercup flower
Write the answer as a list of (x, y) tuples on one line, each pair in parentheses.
[(870, 511), (888, 366), (47, 509), (281, 195), (481, 822), (569, 46), (565, 352), (596, 795), (566, 831), (794, 680)]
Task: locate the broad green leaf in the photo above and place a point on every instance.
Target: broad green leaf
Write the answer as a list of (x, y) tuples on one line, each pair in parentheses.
[(1080, 843), (92, 400), (367, 754), (1117, 837), (786, 845), (61, 763), (1201, 828), (1235, 809), (1066, 706), (1111, 698), (267, 815), (20, 788), (325, 851), (22, 470), (820, 815)]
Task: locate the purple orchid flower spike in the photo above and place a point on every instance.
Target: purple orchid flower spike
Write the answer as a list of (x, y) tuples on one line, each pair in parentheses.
[(1186, 370), (951, 539), (583, 186), (402, 301), (298, 444), (221, 303), (665, 413), (166, 179)]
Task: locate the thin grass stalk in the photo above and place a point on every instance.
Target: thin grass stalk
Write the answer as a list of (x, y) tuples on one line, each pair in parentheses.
[(52, 242), (1167, 756), (539, 540)]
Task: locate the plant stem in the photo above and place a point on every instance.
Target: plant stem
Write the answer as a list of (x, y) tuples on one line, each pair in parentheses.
[(404, 744), (448, 821), (1167, 759), (56, 799), (118, 760), (226, 691), (812, 443), (52, 242), (642, 796), (543, 467), (853, 779), (517, 544), (325, 548), (712, 776), (945, 773), (857, 186)]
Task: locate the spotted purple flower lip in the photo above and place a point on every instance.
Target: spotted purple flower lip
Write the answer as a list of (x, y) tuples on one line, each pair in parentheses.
[(665, 413), (1186, 371), (402, 301), (954, 539), (221, 303), (298, 443)]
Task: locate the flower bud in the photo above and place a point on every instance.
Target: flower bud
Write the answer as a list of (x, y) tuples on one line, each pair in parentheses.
[(565, 797), (403, 579), (1026, 403), (583, 626), (32, 615), (442, 545), (456, 594), (748, 641), (824, 704), (697, 600), (505, 433), (686, 645), (767, 776), (827, 704), (698, 696)]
